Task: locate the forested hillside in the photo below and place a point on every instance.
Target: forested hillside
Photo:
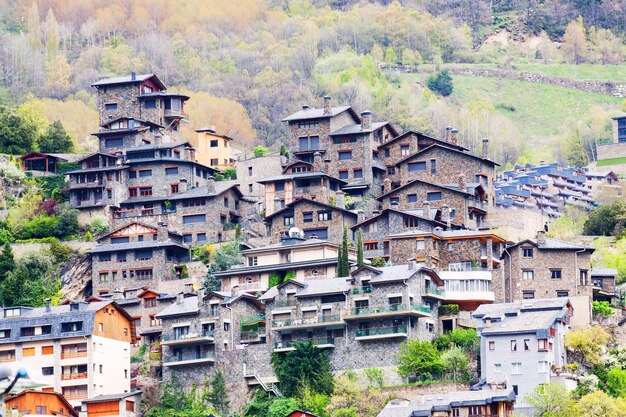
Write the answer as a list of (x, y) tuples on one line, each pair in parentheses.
[(247, 64)]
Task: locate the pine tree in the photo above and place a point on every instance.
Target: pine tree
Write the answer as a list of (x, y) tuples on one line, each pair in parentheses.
[(218, 397), (7, 261), (343, 267), (359, 254)]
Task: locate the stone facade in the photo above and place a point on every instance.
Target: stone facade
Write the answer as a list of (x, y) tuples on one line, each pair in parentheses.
[(250, 171), (611, 150), (546, 268), (312, 217)]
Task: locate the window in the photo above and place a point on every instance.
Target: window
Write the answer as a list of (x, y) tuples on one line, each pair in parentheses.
[(497, 367), (404, 150), (526, 344), (145, 173), (307, 216), (555, 274), (27, 331), (214, 162), (450, 247), (583, 277), (30, 351), (516, 368), (492, 345), (110, 106), (420, 244), (321, 233), (527, 252), (433, 167), (143, 273), (124, 239), (104, 276), (528, 294), (562, 293), (73, 326), (47, 350), (387, 153), (253, 261), (370, 245), (150, 104), (41, 410), (187, 238), (249, 171), (100, 368), (143, 254), (194, 218), (47, 370), (105, 257), (394, 200), (358, 173), (345, 155), (411, 198), (121, 257), (410, 221), (171, 170), (417, 166), (279, 186), (226, 327), (250, 189), (201, 237), (543, 367), (114, 143), (542, 345), (214, 144), (513, 345), (288, 221), (323, 216), (434, 196), (226, 202), (344, 174), (528, 274)]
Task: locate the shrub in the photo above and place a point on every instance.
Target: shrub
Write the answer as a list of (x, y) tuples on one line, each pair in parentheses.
[(98, 226), (376, 377), (418, 358), (260, 151), (466, 339), (40, 226), (378, 262), (282, 407), (60, 252), (230, 173), (441, 83), (449, 310)]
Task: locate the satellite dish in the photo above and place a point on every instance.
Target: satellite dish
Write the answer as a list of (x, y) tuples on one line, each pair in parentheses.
[(295, 232)]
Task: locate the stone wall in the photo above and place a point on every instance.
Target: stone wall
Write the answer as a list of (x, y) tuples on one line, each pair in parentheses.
[(249, 171), (612, 150)]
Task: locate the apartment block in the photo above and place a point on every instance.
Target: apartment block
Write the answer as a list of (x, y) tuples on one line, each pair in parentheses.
[(71, 345)]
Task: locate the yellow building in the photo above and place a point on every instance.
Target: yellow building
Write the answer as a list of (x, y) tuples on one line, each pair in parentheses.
[(213, 149)]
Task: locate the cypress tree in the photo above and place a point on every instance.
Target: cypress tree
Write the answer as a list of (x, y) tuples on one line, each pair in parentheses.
[(7, 261), (359, 254), (344, 265)]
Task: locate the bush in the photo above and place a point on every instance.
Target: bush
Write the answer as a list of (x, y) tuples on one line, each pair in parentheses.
[(608, 220), (282, 407), (60, 252), (260, 151), (418, 358), (376, 377), (138, 356), (98, 226), (466, 339), (449, 310), (40, 226), (378, 262), (441, 83), (230, 173)]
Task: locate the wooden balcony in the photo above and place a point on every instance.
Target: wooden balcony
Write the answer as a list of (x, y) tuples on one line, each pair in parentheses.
[(78, 375), (69, 355), (7, 359), (75, 397)]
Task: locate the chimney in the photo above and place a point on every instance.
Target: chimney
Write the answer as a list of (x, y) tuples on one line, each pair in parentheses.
[(182, 185), (318, 164), (360, 216), (386, 186), (313, 236), (366, 120), (412, 265), (180, 297), (339, 200), (394, 205), (133, 76), (462, 182), (541, 237), (48, 309), (210, 184), (200, 297), (427, 209), (162, 232), (454, 136), (429, 261), (448, 130), (445, 215), (485, 148), (234, 291), (327, 107), (305, 107)]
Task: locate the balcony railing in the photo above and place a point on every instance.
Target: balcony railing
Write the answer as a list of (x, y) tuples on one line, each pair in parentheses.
[(189, 357), (363, 311), (78, 375), (364, 290), (381, 331), (435, 291), (251, 319), (68, 355), (74, 397), (7, 359), (251, 336), (145, 212), (288, 344), (335, 318), (87, 184), (285, 303), (187, 336)]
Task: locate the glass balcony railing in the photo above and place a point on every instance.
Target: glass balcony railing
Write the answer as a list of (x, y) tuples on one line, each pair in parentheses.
[(189, 357), (316, 342), (187, 336), (435, 291), (362, 311), (380, 331), (307, 321)]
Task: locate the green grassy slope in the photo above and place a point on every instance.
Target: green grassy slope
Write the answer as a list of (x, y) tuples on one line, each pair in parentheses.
[(538, 110)]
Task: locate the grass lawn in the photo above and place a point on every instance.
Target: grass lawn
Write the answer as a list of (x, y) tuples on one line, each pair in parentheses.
[(612, 161), (538, 110)]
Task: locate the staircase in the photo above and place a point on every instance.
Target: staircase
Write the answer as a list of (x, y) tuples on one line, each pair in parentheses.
[(269, 387)]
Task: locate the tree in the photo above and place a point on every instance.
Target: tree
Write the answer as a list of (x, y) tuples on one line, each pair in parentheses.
[(7, 261), (604, 219), (602, 309), (67, 221), (598, 404), (575, 43), (550, 400), (282, 407), (218, 396), (418, 358), (376, 377), (390, 56), (378, 261), (351, 399), (175, 402), (304, 366), (55, 139), (343, 261), (260, 151), (616, 382), (30, 283), (455, 360), (17, 135), (441, 83), (359, 247), (587, 344), (466, 339), (98, 225)]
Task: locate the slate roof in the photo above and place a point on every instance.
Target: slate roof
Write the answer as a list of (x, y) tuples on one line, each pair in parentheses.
[(127, 79), (276, 267), (446, 148), (299, 175), (102, 169), (319, 287), (110, 397), (440, 141), (415, 213), (195, 192), (449, 234), (307, 200), (354, 129), (603, 272), (188, 306), (313, 113), (147, 244), (154, 146), (408, 184), (291, 242), (554, 244)]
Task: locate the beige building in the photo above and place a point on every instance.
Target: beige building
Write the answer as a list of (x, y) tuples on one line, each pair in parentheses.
[(214, 149), (71, 346)]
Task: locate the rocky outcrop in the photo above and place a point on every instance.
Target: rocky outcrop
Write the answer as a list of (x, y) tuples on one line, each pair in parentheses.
[(76, 277)]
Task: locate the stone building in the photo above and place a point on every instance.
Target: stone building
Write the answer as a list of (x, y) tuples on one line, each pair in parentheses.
[(213, 149), (305, 259), (71, 345), (361, 319), (39, 163), (397, 148), (251, 170), (313, 217), (390, 221), (522, 343), (464, 204), (616, 149), (347, 142), (136, 255), (603, 282), (547, 268)]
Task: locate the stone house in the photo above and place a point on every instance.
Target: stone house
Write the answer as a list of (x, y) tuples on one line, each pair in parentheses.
[(409, 143), (361, 319), (460, 205), (603, 282), (40, 163), (136, 255), (522, 343), (251, 170), (214, 149), (306, 259), (374, 230), (547, 268), (323, 220), (299, 180)]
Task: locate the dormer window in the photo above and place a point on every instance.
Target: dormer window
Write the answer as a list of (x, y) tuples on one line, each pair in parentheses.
[(12, 312), (147, 89)]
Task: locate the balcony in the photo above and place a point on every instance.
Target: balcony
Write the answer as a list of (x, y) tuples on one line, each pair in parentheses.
[(434, 292), (70, 377), (362, 290), (87, 184), (145, 212), (75, 354), (307, 323), (391, 310), (7, 359), (252, 336), (174, 113), (286, 346), (187, 339), (468, 285), (190, 359), (381, 333), (76, 397), (285, 303)]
